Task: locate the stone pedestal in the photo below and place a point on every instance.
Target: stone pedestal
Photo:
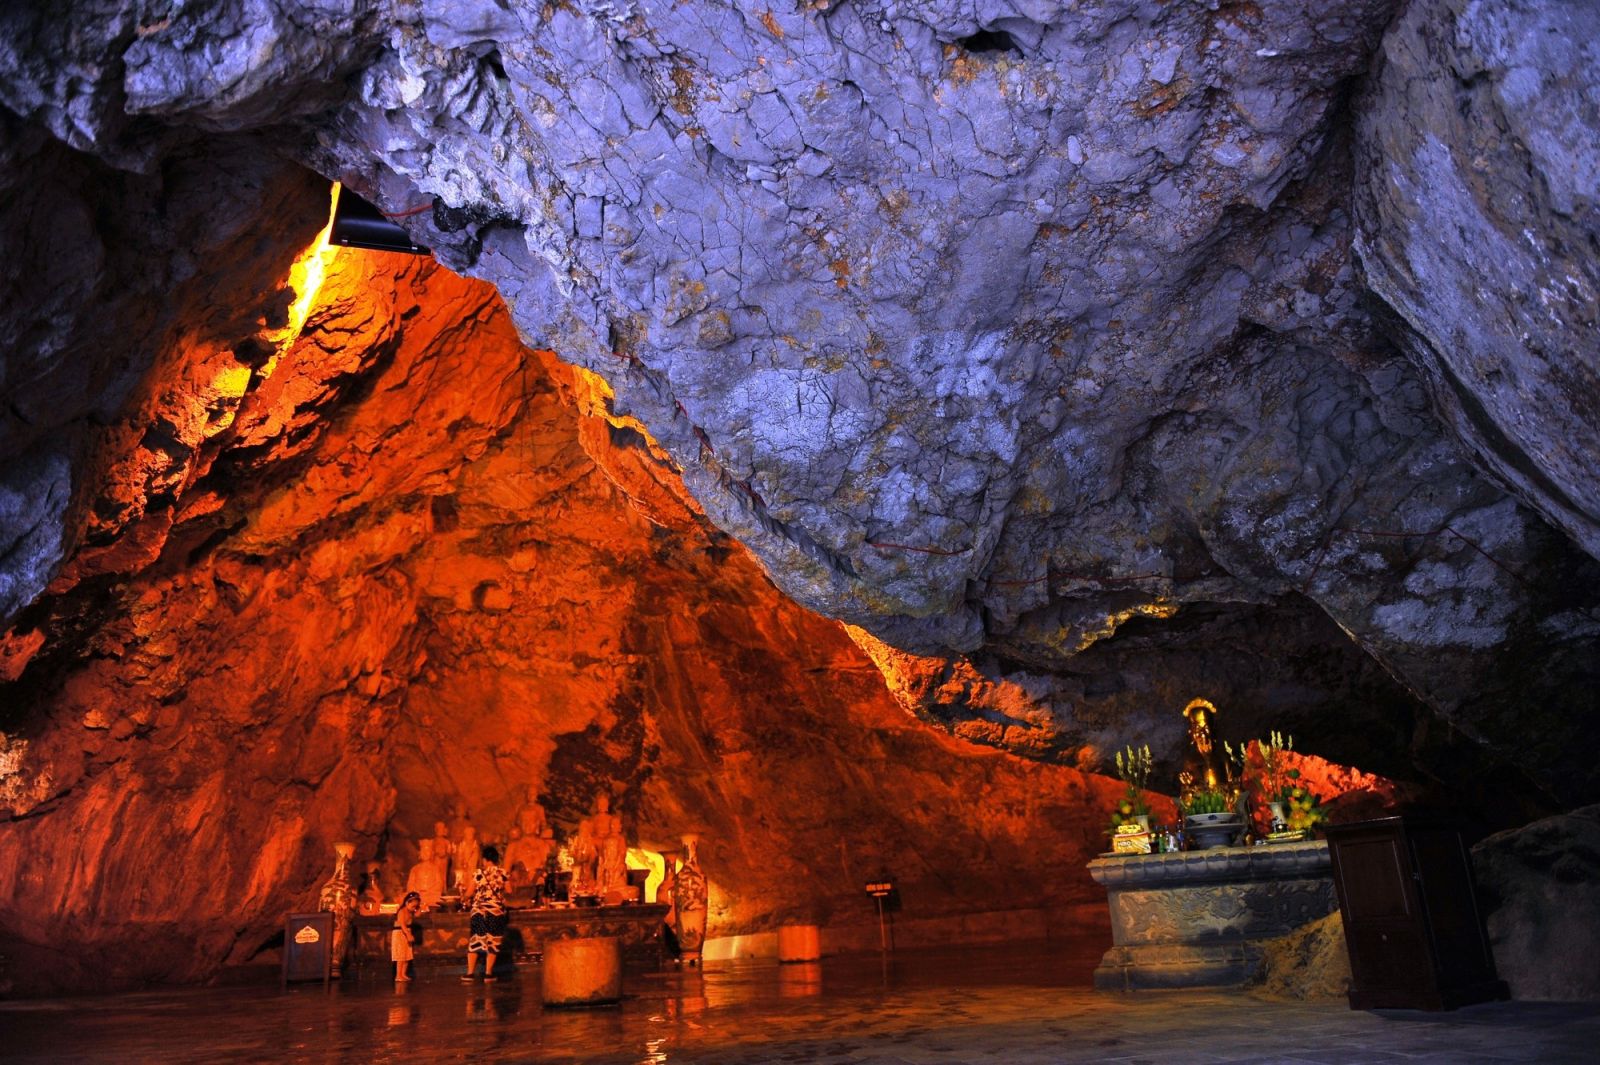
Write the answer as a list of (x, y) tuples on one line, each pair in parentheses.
[(581, 972), (1197, 919), (799, 942), (442, 937)]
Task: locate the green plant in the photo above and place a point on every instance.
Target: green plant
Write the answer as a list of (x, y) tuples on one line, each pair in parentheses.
[(1302, 808), (1207, 802), (1133, 767), (1279, 782), (1276, 777), (1129, 807)]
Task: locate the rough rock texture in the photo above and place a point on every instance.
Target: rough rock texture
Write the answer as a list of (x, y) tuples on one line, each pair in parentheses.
[(987, 342), (985, 331), (1540, 886), (1478, 202), (1308, 963), (164, 264), (1313, 685), (1085, 357), (441, 592)]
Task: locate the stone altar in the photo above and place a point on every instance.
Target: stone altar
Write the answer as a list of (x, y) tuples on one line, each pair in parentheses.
[(1198, 918), (442, 936)]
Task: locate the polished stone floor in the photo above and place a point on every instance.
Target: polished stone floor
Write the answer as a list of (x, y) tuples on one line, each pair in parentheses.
[(1023, 1005)]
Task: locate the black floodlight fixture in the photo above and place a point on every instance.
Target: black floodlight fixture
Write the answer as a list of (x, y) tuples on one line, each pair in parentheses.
[(358, 224)]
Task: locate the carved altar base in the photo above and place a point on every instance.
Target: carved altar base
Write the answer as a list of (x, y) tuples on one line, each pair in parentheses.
[(442, 936), (1197, 918)]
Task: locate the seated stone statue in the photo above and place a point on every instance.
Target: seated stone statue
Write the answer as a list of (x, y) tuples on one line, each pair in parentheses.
[(526, 855), (425, 878)]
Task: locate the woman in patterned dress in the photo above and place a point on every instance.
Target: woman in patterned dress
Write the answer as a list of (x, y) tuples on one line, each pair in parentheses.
[(489, 917)]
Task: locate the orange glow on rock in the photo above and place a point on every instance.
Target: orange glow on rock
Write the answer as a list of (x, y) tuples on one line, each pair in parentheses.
[(1346, 793), (306, 277), (420, 561), (1030, 727)]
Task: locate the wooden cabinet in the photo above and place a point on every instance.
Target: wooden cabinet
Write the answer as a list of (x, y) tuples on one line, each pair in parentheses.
[(308, 947), (1411, 919)]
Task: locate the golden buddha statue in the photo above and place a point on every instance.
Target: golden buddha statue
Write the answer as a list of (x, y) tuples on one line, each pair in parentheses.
[(1200, 767)]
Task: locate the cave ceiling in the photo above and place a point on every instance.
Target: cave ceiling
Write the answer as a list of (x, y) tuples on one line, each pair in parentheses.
[(1080, 357), (987, 329)]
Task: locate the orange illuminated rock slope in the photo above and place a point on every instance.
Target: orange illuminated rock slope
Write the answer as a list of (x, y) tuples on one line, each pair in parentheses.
[(395, 559)]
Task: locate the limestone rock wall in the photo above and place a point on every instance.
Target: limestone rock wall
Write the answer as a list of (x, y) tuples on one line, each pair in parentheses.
[(405, 580), (990, 331), (1082, 357), (109, 282), (1538, 888), (986, 329), (1476, 201)]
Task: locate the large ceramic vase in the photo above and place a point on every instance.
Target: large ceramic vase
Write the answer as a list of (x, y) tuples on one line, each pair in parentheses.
[(1207, 831), (689, 899), (338, 897)]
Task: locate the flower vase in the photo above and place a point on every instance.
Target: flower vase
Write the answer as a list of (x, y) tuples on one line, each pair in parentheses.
[(339, 898), (689, 896)]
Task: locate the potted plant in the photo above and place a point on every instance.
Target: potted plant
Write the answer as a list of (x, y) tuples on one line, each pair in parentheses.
[(1133, 768), (1294, 808), (1211, 816)]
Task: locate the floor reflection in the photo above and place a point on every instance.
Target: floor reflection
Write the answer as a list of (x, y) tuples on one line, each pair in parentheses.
[(1026, 1005), (800, 980)]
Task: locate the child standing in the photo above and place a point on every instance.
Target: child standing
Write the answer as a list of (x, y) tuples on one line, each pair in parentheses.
[(402, 937)]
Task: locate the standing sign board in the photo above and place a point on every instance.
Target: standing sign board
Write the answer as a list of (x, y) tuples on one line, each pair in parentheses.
[(307, 947)]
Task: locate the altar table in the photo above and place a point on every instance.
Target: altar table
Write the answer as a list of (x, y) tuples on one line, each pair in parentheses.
[(1198, 918), (442, 936)]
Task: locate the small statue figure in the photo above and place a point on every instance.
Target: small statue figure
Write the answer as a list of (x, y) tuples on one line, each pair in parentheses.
[(442, 850), (600, 852), (586, 851), (425, 878), (516, 868), (465, 863), (459, 821), (1200, 768), (689, 902), (339, 898), (611, 863), (582, 855), (371, 889), (526, 855), (530, 819)]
